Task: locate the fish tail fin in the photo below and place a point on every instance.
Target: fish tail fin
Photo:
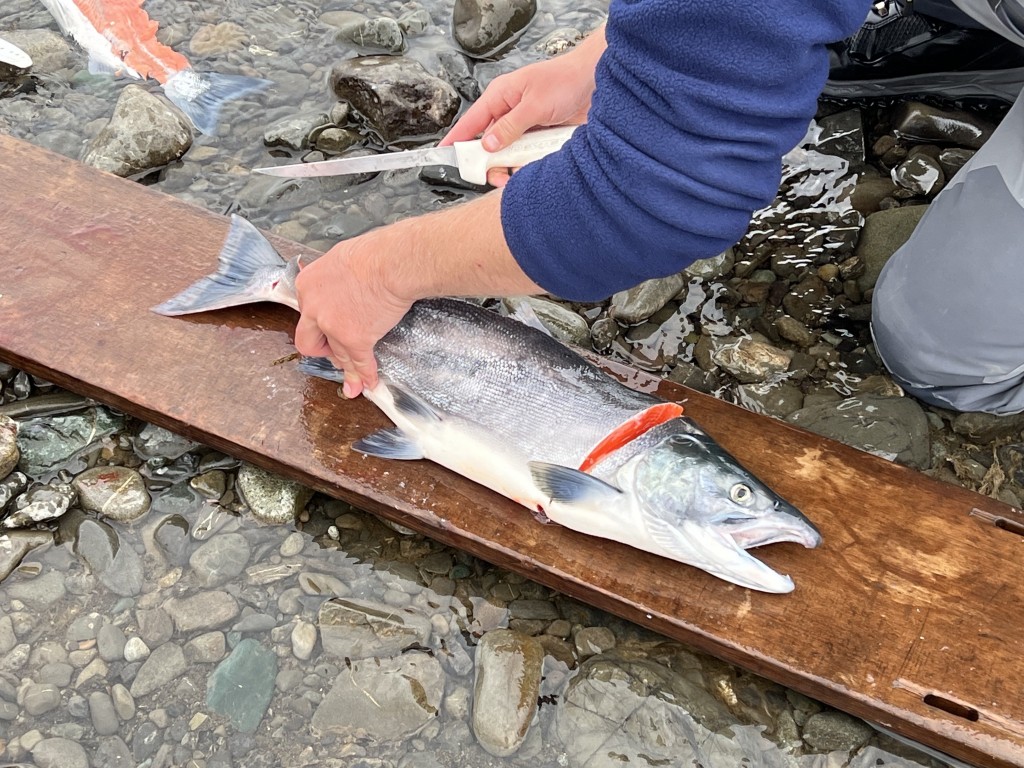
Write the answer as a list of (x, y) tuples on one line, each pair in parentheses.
[(250, 270), (200, 95)]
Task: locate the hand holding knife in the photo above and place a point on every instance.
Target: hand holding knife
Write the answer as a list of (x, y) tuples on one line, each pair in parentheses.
[(472, 160)]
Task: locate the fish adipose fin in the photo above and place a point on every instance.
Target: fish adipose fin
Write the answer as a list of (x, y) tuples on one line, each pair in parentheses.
[(246, 259), (200, 95), (389, 444), (570, 486), (715, 552)]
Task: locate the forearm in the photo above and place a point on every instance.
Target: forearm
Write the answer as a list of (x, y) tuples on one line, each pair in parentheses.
[(460, 251)]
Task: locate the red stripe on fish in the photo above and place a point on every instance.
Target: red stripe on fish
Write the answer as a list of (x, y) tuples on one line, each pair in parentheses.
[(132, 34), (630, 430)]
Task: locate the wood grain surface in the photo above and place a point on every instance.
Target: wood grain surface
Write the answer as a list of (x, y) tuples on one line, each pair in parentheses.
[(910, 615)]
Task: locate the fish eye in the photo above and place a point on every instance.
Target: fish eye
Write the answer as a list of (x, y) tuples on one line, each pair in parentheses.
[(741, 493)]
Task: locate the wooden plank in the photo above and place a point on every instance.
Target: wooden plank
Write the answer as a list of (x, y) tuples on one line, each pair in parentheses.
[(909, 615)]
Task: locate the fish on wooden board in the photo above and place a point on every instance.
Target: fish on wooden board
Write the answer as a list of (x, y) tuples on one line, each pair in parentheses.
[(120, 39), (509, 407)]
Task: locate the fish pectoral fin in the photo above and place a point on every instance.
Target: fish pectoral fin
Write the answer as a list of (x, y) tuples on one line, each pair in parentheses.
[(715, 552), (390, 443), (412, 405), (570, 486)]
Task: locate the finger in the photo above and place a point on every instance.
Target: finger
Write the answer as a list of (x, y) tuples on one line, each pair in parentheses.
[(309, 339), (498, 177), (352, 387), (365, 367), (510, 127), (484, 111)]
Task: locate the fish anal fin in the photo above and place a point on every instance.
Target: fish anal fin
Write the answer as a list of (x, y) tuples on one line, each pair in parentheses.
[(630, 430), (570, 486), (389, 443)]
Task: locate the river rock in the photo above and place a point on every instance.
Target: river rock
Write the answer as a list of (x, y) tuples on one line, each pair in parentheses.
[(923, 122), (14, 545), (639, 303), (829, 731), (884, 232), (486, 27), (145, 132), (117, 493), (163, 665), (294, 131), (241, 686), (41, 592), (49, 442), (920, 175), (39, 504), (560, 321), (382, 699), (749, 360), (359, 629), (377, 34), (220, 559), (59, 753), (155, 442), (396, 95), (49, 50), (505, 689), (895, 428), (9, 453), (206, 610), (271, 498)]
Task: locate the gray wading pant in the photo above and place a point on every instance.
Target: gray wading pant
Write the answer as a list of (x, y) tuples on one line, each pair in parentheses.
[(948, 308)]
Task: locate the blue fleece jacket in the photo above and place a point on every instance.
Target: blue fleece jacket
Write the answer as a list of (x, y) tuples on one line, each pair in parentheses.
[(696, 102)]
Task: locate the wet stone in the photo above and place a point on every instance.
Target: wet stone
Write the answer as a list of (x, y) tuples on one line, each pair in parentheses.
[(101, 711), (562, 323), (952, 159), (59, 753), (894, 428), (385, 699), (637, 304), (271, 499), (7, 637), (323, 584), (830, 731), (206, 610), (117, 493), (40, 698), (40, 504), (396, 95), (379, 34), (110, 642), (220, 559), (172, 537), (207, 648), (749, 360), (14, 545), (920, 175), (164, 665), (293, 131), (923, 122), (359, 629), (11, 486), (9, 453), (483, 28), (303, 637), (40, 592), (842, 134), (505, 690), (590, 641), (47, 443), (241, 686), (57, 673), (155, 442), (155, 626)]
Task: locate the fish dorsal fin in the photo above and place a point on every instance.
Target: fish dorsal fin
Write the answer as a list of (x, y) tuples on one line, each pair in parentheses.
[(630, 430), (570, 486), (390, 443), (412, 405)]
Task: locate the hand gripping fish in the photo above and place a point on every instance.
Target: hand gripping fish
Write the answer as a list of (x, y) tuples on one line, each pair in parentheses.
[(120, 39), (511, 408)]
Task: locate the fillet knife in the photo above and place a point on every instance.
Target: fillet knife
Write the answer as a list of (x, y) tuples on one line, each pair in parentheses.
[(13, 55), (472, 160)]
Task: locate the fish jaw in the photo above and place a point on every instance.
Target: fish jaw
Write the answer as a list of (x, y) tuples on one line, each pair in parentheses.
[(785, 523)]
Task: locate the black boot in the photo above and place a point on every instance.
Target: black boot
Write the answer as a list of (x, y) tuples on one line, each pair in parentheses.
[(900, 50)]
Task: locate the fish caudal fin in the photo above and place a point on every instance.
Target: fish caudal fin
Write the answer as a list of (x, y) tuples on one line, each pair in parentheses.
[(200, 95), (249, 271), (322, 368)]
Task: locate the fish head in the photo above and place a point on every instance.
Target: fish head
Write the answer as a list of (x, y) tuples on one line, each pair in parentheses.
[(698, 500)]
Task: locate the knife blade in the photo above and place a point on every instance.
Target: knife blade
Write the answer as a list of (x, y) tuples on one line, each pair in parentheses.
[(13, 55), (472, 160)]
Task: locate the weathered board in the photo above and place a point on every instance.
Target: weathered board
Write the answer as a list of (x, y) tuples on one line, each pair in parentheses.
[(911, 615)]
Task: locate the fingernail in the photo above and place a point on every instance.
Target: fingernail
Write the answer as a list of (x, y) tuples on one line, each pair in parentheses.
[(491, 143), (348, 389)]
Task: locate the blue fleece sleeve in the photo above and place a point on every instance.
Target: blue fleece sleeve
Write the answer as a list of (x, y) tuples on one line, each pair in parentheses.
[(696, 102)]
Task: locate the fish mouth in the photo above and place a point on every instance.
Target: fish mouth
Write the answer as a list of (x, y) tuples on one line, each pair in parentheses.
[(784, 523)]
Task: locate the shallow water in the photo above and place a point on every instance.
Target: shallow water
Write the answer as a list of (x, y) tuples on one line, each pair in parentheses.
[(281, 576)]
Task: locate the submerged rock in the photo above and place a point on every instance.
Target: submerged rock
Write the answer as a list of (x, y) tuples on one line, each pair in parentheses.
[(359, 629), (9, 453), (117, 493), (271, 498), (505, 689), (241, 686), (485, 27), (145, 132), (49, 442)]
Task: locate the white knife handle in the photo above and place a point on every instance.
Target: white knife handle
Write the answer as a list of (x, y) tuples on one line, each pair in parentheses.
[(474, 160)]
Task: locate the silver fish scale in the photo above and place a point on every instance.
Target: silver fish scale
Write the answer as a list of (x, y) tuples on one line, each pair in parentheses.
[(517, 383)]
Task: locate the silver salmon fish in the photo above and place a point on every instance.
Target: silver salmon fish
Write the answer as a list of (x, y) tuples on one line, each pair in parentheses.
[(511, 408)]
